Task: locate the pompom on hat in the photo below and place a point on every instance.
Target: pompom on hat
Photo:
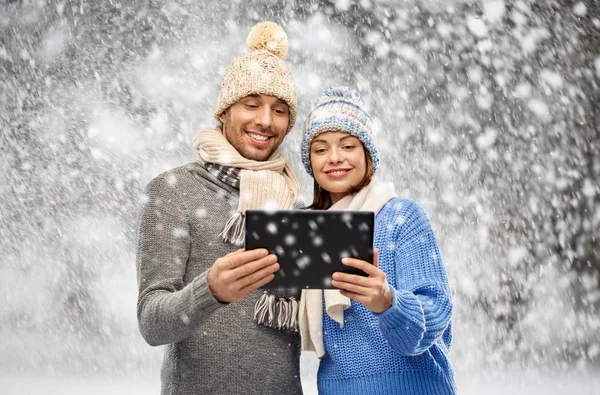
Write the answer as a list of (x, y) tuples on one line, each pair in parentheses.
[(261, 72), (339, 109)]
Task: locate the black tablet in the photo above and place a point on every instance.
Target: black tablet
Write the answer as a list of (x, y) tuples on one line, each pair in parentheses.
[(310, 244)]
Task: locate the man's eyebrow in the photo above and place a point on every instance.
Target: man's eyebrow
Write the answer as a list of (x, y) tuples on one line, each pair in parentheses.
[(281, 101)]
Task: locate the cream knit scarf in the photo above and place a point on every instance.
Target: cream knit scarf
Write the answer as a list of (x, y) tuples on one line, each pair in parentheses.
[(264, 185), (371, 198)]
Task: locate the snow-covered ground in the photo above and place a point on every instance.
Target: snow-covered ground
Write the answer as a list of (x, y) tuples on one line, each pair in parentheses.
[(505, 383), (476, 383)]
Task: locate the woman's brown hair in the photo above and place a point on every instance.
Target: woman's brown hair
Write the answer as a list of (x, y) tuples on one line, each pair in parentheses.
[(322, 198)]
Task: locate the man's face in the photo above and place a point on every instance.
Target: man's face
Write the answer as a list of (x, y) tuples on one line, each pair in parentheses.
[(256, 125)]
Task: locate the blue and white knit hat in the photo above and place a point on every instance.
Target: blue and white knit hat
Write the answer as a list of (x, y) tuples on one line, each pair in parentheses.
[(339, 109)]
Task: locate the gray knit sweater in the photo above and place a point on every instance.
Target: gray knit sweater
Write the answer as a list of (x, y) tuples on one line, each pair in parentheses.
[(211, 348)]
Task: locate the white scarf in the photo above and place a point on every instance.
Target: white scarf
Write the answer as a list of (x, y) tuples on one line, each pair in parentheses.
[(264, 185), (371, 198)]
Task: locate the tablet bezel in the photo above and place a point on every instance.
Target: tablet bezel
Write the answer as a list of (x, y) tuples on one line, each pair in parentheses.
[(343, 239)]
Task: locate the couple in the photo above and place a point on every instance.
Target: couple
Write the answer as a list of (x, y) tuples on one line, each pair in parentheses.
[(198, 292)]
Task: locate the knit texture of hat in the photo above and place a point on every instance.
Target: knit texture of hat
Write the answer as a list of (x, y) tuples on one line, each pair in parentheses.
[(261, 72), (339, 109)]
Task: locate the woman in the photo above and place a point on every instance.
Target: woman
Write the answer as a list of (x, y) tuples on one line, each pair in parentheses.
[(390, 332)]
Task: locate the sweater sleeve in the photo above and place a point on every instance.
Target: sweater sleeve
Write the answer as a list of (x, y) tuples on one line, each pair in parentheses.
[(421, 304), (167, 310)]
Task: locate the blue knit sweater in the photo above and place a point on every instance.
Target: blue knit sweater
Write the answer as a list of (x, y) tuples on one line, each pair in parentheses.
[(406, 349)]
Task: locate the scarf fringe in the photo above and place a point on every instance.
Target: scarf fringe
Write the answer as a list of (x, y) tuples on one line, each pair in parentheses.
[(276, 313), (235, 229)]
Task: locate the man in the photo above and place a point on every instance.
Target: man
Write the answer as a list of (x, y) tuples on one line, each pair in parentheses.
[(198, 291)]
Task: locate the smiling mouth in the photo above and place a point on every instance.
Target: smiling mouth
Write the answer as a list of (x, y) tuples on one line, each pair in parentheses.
[(259, 138), (337, 172)]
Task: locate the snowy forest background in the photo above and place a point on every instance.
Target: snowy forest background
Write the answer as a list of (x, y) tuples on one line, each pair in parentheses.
[(487, 113)]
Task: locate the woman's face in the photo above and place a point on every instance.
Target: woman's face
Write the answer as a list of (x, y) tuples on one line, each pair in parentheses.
[(338, 162)]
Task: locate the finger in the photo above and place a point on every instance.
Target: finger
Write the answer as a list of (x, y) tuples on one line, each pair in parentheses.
[(243, 257), (362, 265), (257, 276), (376, 257), (252, 267), (363, 281), (354, 296), (352, 287), (235, 252), (257, 284)]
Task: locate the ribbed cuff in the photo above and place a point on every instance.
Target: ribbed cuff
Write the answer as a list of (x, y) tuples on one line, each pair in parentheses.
[(403, 324), (203, 301), (406, 308)]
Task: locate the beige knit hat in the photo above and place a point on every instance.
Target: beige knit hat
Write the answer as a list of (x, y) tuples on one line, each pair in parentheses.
[(261, 71)]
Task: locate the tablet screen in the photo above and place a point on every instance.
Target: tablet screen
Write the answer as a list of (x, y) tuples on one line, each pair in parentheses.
[(310, 244)]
